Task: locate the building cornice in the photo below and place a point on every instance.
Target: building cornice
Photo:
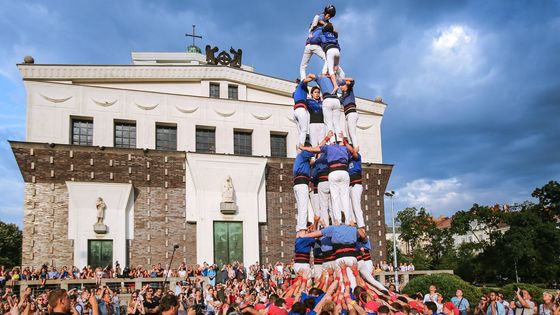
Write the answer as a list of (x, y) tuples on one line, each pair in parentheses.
[(164, 73)]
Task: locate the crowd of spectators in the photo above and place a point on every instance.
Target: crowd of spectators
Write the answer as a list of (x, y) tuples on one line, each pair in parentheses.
[(403, 267), (258, 290)]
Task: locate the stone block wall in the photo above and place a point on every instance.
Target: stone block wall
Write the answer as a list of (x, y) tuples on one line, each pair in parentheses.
[(277, 235)]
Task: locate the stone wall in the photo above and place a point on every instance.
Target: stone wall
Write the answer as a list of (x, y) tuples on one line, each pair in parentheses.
[(277, 235), (158, 178)]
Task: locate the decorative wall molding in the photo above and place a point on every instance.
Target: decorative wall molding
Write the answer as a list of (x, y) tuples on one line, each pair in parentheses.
[(146, 107), (262, 117), (185, 110), (104, 103), (55, 100), (224, 114), (364, 127)]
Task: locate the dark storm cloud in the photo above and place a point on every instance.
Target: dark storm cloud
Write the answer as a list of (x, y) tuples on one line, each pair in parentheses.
[(471, 121)]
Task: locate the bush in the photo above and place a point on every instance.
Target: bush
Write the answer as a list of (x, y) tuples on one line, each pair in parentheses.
[(536, 292), (446, 284)]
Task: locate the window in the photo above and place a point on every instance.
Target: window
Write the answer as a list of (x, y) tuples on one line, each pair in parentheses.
[(215, 90), (228, 242), (205, 140), (125, 135), (277, 145), (82, 132), (166, 137), (242, 143), (232, 92)]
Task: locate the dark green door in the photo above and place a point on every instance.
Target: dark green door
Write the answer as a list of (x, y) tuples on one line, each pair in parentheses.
[(100, 253), (228, 242)]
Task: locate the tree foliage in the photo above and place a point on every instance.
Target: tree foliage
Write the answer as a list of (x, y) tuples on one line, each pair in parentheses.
[(517, 243), (10, 245)]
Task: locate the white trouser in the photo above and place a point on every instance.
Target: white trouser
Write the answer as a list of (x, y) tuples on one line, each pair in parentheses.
[(301, 192), (308, 52), (339, 182), (314, 198), (351, 123), (349, 261), (366, 271), (356, 200), (301, 116), (330, 265), (324, 193), (331, 114), (317, 270), (333, 58), (316, 133), (301, 266)]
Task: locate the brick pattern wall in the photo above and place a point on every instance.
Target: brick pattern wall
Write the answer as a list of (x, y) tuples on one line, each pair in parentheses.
[(277, 235), (158, 178)]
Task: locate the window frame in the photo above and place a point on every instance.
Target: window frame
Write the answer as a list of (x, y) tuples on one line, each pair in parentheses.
[(285, 149), (125, 123), (87, 135), (236, 147), (214, 85), (209, 130), (166, 126)]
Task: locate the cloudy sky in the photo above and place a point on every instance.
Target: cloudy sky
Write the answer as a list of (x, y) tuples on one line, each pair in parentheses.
[(473, 87)]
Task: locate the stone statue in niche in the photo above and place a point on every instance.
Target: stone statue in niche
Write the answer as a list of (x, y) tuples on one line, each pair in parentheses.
[(227, 190), (99, 227), (228, 206)]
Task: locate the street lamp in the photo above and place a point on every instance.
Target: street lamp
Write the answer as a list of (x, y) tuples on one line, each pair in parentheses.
[(395, 266)]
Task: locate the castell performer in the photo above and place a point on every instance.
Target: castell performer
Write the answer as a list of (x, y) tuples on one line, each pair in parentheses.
[(317, 259), (329, 43), (343, 238), (331, 103), (301, 115), (321, 168), (356, 188), (302, 177), (312, 47), (338, 156), (302, 249), (348, 101), (365, 265), (321, 19), (316, 120)]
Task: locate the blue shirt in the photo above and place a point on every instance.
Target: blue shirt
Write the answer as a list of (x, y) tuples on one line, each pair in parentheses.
[(315, 38), (341, 234), (329, 40), (321, 164), (336, 153), (365, 244), (300, 94), (304, 244), (500, 310), (326, 244), (301, 164), (348, 96), (355, 166), (464, 303), (317, 249), (314, 106), (326, 86)]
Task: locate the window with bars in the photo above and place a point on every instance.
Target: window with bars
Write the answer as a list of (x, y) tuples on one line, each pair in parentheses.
[(277, 145), (125, 134), (242, 142), (82, 132), (166, 137), (215, 90), (232, 92), (205, 140)]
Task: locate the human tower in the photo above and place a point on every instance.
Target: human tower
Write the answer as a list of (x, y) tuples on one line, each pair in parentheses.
[(327, 171)]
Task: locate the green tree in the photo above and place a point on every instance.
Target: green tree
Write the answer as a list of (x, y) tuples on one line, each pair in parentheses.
[(10, 245), (415, 226)]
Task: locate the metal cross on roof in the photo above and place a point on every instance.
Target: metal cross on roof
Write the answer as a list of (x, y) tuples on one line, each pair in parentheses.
[(193, 35)]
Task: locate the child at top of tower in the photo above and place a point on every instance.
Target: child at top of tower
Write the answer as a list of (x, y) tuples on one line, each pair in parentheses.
[(329, 43), (323, 18)]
